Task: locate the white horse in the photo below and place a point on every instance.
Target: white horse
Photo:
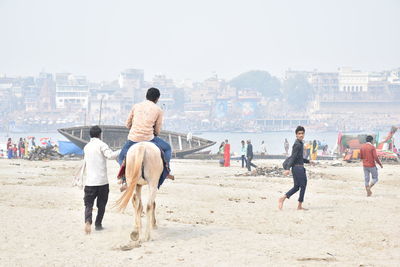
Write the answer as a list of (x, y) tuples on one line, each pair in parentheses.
[(144, 165)]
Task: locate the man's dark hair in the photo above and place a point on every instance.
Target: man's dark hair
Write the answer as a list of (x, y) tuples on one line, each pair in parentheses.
[(153, 94), (369, 138), (300, 129), (95, 131)]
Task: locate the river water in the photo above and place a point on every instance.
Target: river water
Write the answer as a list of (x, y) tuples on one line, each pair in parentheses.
[(274, 140)]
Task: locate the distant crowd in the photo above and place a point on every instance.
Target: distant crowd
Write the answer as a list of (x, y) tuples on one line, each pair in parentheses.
[(246, 151), (22, 148)]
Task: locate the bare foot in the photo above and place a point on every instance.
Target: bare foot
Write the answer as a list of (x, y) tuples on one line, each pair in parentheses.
[(369, 192), (170, 176), (88, 228), (280, 202), (301, 208)]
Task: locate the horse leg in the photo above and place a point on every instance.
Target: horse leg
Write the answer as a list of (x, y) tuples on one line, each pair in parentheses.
[(138, 207), (154, 216), (150, 211)]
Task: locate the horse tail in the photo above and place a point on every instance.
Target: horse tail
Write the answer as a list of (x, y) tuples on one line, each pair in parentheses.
[(133, 174)]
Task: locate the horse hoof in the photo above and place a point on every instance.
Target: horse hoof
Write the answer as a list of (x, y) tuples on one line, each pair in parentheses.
[(134, 236), (130, 246)]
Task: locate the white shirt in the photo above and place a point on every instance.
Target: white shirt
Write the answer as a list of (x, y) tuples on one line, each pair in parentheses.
[(96, 153), (263, 148)]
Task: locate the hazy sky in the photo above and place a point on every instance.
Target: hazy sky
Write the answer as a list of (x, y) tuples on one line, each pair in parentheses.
[(192, 39)]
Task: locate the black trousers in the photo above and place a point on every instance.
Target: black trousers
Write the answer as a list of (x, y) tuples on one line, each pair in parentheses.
[(249, 164), (300, 182), (244, 161), (91, 193)]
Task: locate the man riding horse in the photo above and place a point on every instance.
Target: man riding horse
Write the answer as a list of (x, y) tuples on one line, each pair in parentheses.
[(144, 122)]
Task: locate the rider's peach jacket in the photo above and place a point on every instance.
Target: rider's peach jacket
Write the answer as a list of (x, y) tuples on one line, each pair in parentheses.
[(144, 120)]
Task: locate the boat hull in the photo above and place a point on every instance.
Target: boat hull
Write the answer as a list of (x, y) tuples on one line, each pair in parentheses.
[(116, 136)]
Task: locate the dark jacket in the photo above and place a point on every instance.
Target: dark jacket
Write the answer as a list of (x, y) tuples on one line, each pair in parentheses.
[(250, 150), (297, 156)]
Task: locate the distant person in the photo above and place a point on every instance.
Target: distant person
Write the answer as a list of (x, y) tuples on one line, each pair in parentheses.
[(369, 157), (227, 154), (307, 149), (189, 137), (15, 151), (348, 154), (33, 142), (21, 148), (48, 143), (286, 145), (296, 162), (263, 148), (250, 155), (221, 150), (325, 150), (314, 152), (243, 152), (26, 147), (96, 185), (9, 149)]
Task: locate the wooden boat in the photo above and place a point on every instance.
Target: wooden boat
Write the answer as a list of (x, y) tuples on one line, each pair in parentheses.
[(116, 136)]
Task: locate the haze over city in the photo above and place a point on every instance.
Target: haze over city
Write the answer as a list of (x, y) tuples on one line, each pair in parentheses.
[(194, 39)]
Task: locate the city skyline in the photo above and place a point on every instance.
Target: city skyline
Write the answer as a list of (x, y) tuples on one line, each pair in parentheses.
[(194, 40)]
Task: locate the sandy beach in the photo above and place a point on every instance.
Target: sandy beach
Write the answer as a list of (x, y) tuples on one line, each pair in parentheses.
[(208, 216)]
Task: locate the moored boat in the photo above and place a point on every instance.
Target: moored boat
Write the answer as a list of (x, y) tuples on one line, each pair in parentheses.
[(115, 136)]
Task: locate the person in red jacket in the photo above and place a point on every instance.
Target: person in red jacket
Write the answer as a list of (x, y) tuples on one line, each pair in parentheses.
[(369, 157)]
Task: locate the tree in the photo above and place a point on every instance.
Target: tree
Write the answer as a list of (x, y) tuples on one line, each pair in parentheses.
[(259, 80), (297, 91)]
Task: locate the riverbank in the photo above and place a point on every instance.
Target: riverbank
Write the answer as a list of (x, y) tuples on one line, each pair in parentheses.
[(208, 216)]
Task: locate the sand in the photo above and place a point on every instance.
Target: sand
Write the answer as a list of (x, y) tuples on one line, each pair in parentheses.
[(206, 217)]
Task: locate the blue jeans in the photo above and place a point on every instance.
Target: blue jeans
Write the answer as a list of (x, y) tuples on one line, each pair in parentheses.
[(156, 140)]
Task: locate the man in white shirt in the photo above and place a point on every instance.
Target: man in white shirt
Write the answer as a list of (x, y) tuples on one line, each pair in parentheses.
[(263, 148), (96, 186)]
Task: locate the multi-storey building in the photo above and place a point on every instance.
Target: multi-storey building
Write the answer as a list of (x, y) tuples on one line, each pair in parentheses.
[(72, 92), (131, 82), (47, 91)]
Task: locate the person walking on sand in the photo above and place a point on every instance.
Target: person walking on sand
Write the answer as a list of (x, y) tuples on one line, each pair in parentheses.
[(96, 186), (296, 162), (369, 157), (250, 156), (286, 145), (243, 152)]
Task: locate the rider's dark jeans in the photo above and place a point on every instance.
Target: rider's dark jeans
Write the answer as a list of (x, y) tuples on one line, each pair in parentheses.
[(157, 140)]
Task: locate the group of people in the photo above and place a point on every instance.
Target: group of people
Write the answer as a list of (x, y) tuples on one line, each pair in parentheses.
[(145, 121), (246, 154), (20, 149)]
